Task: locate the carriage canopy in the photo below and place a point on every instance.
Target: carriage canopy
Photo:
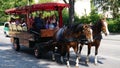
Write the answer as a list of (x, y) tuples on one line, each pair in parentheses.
[(39, 7)]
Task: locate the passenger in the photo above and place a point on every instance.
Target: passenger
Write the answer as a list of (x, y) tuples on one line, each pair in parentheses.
[(23, 23), (53, 22), (39, 22), (47, 21), (12, 20), (17, 21), (51, 25)]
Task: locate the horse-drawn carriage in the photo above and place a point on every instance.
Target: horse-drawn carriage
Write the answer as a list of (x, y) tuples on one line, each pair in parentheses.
[(24, 35), (44, 40)]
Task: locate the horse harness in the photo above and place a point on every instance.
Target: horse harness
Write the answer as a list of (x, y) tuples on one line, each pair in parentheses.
[(60, 35)]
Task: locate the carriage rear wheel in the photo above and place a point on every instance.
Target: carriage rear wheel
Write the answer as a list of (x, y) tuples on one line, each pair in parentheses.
[(37, 51), (16, 45)]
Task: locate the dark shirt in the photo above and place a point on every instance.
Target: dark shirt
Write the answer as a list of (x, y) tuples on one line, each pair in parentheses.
[(39, 23)]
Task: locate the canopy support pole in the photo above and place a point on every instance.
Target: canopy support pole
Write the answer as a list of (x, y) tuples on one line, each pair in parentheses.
[(60, 17)]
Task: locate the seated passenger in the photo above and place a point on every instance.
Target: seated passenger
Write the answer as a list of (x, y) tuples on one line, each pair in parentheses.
[(53, 22), (23, 23), (17, 21), (39, 22)]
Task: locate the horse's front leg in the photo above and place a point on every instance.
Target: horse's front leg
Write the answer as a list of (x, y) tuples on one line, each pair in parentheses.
[(96, 52), (89, 51), (77, 56)]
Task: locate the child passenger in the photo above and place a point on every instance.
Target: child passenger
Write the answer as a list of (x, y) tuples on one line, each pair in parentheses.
[(52, 22)]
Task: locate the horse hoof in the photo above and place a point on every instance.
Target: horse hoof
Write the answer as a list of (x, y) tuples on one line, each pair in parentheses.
[(61, 63), (77, 66), (68, 66), (86, 62), (96, 64), (53, 59)]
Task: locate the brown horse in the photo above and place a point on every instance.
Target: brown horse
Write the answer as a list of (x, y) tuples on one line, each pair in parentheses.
[(100, 26), (70, 36)]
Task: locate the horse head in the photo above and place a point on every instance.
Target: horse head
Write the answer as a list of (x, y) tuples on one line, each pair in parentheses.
[(104, 26), (86, 34)]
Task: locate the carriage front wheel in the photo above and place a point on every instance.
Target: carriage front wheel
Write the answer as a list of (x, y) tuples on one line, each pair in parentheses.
[(16, 45), (37, 51)]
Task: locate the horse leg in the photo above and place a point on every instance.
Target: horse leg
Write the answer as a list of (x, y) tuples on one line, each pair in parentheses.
[(96, 51), (53, 56), (53, 48), (68, 56), (62, 51), (77, 56), (89, 51), (80, 46)]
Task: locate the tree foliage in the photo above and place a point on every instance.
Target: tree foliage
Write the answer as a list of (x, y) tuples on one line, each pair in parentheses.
[(6, 4), (113, 4)]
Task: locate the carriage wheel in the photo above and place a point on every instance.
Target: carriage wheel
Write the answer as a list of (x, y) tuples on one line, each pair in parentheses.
[(16, 45), (37, 51)]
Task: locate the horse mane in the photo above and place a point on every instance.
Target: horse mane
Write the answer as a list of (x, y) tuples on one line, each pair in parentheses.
[(78, 28), (97, 26), (97, 29)]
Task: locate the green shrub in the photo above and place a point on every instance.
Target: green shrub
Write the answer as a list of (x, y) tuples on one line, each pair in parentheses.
[(91, 18), (114, 28), (85, 19), (114, 25)]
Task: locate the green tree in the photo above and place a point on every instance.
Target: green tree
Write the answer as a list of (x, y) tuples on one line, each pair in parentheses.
[(113, 4), (6, 4)]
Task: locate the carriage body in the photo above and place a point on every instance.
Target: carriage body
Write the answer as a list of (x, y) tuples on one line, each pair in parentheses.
[(22, 35)]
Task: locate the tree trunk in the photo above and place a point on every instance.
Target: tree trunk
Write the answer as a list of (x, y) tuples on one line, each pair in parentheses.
[(71, 11)]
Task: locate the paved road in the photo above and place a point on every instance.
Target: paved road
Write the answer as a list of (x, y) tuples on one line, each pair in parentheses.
[(109, 55)]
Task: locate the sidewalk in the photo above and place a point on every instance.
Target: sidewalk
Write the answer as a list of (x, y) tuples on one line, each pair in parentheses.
[(112, 36)]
